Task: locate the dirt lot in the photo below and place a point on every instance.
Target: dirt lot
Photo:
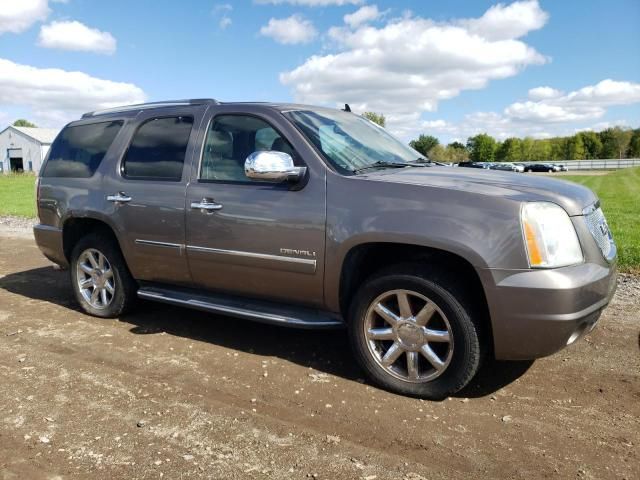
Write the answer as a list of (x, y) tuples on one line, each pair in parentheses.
[(172, 393)]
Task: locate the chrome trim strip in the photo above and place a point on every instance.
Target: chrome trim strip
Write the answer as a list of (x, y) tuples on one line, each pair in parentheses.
[(263, 256), (47, 228), (237, 312), (159, 244)]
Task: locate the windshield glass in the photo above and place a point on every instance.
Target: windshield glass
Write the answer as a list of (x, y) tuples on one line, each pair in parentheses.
[(352, 143)]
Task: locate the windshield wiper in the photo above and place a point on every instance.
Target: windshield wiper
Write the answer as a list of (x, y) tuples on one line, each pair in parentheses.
[(381, 164), (427, 162)]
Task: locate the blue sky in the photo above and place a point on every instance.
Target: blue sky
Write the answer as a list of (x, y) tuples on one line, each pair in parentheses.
[(449, 68)]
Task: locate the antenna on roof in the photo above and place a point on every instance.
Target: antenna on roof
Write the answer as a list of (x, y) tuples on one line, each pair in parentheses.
[(346, 108)]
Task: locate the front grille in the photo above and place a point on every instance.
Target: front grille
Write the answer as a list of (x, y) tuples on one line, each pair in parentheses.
[(600, 230)]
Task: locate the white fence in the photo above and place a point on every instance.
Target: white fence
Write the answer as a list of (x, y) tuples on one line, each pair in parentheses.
[(609, 164)]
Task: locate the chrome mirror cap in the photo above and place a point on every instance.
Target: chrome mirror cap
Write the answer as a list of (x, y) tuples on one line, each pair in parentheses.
[(272, 166)]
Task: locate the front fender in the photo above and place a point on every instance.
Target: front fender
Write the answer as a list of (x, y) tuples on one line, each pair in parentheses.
[(482, 229)]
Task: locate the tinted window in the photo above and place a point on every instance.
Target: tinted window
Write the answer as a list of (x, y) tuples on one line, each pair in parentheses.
[(78, 151), (231, 139), (158, 149)]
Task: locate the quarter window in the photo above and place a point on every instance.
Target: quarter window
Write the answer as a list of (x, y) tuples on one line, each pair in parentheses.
[(78, 151), (158, 149), (231, 139)]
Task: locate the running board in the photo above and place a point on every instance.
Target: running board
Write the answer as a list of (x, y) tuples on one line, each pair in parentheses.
[(257, 310)]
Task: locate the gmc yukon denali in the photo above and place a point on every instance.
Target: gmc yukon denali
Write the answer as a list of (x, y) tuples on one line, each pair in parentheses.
[(313, 217)]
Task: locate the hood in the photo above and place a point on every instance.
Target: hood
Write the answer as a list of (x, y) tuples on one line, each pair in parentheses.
[(519, 186)]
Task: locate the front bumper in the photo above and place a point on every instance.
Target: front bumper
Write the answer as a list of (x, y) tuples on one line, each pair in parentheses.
[(535, 313)]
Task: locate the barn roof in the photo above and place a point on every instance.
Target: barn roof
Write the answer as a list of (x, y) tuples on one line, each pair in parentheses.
[(46, 136)]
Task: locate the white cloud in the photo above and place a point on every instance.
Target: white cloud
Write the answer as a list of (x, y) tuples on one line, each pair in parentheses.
[(409, 65), (472, 124), (224, 22), (437, 124), (311, 3), (364, 14), (554, 113), (18, 15), (598, 127), (502, 22), (587, 103), (59, 95), (541, 93), (223, 11), (290, 30), (76, 36)]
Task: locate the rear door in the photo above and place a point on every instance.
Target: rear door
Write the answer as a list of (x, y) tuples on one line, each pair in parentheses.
[(145, 195), (265, 240)]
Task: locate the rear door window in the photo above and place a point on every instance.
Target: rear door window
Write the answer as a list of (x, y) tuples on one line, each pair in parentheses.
[(78, 150), (158, 149)]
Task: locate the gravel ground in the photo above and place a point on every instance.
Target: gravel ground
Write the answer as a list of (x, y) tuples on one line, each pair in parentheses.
[(172, 393), (628, 289), (17, 226)]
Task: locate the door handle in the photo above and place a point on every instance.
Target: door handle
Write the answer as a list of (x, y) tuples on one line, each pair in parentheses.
[(120, 197), (206, 205)]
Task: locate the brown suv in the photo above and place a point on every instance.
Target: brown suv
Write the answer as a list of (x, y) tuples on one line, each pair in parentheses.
[(313, 217)]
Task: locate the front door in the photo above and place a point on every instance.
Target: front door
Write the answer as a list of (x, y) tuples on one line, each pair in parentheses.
[(256, 238), (145, 197)]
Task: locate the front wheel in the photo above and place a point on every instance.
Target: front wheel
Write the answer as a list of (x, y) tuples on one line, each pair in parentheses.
[(412, 335)]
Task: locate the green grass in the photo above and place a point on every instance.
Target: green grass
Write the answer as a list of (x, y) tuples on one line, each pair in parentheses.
[(619, 194), (17, 195)]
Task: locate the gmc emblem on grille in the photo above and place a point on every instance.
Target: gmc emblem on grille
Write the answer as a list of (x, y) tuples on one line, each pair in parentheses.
[(604, 229)]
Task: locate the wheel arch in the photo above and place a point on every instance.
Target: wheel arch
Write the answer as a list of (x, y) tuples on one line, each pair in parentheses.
[(365, 259), (76, 227)]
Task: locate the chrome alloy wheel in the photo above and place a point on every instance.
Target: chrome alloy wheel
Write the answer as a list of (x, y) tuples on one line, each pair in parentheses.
[(95, 278), (408, 336)]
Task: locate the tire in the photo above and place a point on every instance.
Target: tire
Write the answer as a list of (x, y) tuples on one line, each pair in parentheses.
[(112, 276), (550, 171), (458, 360)]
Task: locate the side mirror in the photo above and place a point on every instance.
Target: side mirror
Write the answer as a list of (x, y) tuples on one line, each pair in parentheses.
[(272, 166)]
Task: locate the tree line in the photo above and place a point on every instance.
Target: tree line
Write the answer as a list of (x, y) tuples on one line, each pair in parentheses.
[(613, 142)]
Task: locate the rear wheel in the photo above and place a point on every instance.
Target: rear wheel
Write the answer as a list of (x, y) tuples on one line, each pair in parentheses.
[(101, 280), (413, 334)]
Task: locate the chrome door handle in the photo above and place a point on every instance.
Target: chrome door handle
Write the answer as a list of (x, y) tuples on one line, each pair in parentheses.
[(120, 197), (206, 206)]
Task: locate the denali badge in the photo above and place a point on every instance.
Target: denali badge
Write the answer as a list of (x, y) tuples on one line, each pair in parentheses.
[(293, 251)]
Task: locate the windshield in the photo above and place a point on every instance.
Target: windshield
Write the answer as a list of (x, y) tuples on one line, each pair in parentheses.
[(350, 142)]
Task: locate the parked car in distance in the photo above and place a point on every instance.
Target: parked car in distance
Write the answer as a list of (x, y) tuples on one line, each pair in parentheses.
[(472, 165), (562, 167), (507, 167), (541, 167), (312, 217)]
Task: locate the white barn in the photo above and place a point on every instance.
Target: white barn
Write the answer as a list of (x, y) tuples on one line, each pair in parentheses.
[(24, 148)]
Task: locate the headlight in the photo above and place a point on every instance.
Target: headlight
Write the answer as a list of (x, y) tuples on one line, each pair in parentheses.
[(549, 235)]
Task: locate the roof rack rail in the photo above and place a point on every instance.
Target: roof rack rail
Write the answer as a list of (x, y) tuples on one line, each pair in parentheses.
[(144, 106)]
